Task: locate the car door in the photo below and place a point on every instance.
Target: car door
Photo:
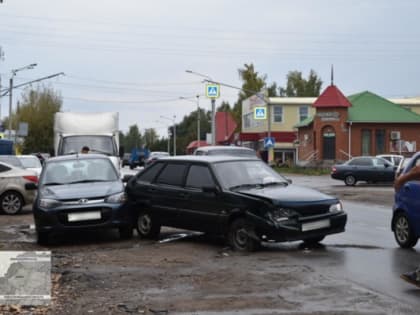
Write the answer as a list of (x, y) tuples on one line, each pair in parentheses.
[(203, 204), (361, 168), (383, 170)]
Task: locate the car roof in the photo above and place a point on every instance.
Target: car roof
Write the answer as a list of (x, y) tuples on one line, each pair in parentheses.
[(208, 158), (224, 147)]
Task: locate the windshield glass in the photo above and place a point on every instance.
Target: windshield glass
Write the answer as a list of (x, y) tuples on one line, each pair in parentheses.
[(30, 162), (74, 171), (241, 173), (96, 144)]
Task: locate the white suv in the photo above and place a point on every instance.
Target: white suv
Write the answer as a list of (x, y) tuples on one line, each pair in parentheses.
[(395, 159)]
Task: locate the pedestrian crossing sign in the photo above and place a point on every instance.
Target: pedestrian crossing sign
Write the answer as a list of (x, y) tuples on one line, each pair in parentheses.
[(269, 142), (212, 90), (260, 113)]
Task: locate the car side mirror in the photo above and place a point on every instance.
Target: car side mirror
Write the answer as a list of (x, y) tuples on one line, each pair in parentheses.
[(31, 186), (126, 178), (210, 189)]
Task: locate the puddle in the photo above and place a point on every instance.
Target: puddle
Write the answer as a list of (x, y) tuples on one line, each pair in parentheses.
[(18, 233)]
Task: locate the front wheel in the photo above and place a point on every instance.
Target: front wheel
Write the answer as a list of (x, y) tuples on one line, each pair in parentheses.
[(242, 236), (146, 226), (350, 180), (11, 202), (403, 233)]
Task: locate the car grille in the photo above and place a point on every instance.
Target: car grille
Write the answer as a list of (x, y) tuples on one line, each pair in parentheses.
[(106, 214), (310, 210)]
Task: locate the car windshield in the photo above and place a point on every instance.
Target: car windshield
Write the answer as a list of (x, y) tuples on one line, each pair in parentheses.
[(79, 171), (237, 174), (30, 162), (96, 144)]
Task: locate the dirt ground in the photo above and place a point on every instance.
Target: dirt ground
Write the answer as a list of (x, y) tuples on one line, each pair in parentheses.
[(96, 273)]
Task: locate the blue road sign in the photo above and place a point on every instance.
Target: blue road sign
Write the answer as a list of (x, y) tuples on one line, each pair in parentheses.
[(260, 113), (212, 90), (269, 142)]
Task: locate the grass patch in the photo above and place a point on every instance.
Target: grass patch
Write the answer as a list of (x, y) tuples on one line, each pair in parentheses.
[(303, 170)]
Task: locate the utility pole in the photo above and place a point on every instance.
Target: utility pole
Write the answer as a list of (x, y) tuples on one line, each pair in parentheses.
[(198, 121), (1, 59)]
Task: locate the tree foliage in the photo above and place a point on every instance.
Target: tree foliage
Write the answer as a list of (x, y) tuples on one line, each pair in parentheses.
[(298, 86), (37, 109)]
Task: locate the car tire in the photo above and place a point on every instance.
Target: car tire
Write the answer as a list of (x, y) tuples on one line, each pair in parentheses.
[(11, 202), (350, 180), (313, 240), (131, 166), (403, 233), (241, 236), (42, 238), (126, 232), (146, 226)]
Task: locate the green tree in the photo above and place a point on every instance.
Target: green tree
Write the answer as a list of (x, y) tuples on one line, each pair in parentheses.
[(150, 137), (224, 107), (298, 86), (132, 139), (37, 109)]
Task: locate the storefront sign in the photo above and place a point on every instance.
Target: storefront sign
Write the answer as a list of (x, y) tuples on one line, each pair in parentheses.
[(328, 116)]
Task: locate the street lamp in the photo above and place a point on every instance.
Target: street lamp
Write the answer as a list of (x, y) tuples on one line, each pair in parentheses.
[(173, 121), (213, 107), (198, 116), (14, 71)]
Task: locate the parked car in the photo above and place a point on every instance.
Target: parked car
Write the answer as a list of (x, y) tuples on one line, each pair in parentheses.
[(242, 199), (225, 150), (11, 160), (406, 217), (393, 158), (13, 188), (401, 166), (126, 159), (82, 191), (154, 155), (31, 162), (364, 168)]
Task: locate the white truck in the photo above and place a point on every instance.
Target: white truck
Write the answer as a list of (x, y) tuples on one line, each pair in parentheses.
[(98, 131)]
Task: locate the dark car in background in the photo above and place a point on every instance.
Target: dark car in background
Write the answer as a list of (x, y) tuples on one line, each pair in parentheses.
[(364, 168), (406, 215), (80, 191), (241, 199), (126, 159)]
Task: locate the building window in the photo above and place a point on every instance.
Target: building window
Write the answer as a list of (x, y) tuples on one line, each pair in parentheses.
[(247, 120), (303, 112), (366, 142), (380, 141), (278, 114)]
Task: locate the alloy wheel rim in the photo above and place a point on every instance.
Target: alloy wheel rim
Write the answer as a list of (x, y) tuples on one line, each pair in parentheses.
[(402, 230), (241, 237), (11, 203)]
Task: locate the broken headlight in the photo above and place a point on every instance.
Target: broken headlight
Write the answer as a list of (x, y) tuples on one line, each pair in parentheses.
[(282, 214), (337, 207)]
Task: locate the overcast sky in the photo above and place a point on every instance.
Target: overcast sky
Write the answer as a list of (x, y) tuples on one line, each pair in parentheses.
[(130, 56)]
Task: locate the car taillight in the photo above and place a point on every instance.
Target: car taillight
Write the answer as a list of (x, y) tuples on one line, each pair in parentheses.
[(31, 178)]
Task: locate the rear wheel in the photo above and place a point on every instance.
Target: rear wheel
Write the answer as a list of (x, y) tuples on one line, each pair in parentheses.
[(11, 202), (146, 226), (403, 233), (350, 180), (242, 236)]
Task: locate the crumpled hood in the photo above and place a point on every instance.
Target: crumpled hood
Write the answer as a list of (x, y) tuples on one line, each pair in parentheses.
[(287, 194), (82, 190)]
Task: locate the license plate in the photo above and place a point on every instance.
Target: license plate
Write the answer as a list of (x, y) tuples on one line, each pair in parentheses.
[(315, 225), (83, 216)]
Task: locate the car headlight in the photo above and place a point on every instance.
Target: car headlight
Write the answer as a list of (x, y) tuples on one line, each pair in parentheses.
[(117, 198), (282, 214), (48, 203), (338, 207)]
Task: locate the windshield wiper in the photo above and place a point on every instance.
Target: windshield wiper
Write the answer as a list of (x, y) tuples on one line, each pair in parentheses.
[(88, 181), (244, 186), (54, 184), (275, 183)]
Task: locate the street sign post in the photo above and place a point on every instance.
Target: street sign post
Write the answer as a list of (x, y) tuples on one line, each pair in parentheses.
[(269, 142), (212, 90)]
